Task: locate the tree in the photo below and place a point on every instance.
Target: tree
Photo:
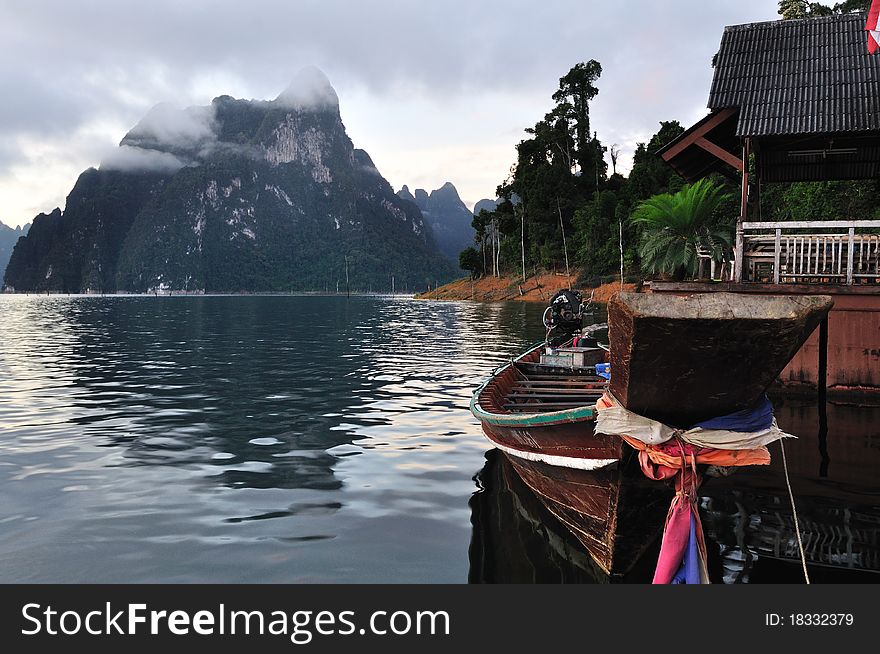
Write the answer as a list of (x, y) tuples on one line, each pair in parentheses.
[(614, 153), (793, 9), (597, 241), (576, 88), (469, 259), (559, 168), (677, 226), (848, 6)]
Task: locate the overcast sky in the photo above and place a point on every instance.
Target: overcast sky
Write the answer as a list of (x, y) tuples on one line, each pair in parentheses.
[(435, 91)]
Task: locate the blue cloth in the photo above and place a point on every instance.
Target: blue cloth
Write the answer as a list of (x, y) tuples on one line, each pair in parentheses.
[(758, 418), (603, 370), (689, 572)]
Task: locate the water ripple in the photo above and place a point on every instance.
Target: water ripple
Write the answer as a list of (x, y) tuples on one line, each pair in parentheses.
[(242, 438)]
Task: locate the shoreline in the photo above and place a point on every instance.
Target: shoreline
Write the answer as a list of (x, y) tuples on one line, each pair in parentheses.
[(218, 294), (538, 288)]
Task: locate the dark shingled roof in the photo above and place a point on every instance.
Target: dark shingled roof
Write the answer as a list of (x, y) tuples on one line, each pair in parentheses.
[(806, 76)]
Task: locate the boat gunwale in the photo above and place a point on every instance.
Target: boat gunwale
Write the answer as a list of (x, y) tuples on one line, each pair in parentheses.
[(537, 419)]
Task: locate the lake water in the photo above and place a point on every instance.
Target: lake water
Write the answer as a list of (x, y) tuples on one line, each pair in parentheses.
[(325, 439)]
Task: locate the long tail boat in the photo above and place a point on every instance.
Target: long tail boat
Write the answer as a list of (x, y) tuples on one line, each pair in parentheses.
[(679, 360), (542, 417), (516, 539)]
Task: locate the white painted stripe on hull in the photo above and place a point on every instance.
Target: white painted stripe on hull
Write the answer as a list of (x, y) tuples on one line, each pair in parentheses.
[(558, 461)]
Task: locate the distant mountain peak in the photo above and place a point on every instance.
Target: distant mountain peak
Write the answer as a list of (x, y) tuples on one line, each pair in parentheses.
[(405, 194), (8, 238), (310, 90), (448, 190), (485, 205), (449, 218)]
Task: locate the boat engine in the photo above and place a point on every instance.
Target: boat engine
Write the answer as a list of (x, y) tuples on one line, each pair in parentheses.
[(565, 316)]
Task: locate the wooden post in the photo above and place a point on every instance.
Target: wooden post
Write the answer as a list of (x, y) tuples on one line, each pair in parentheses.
[(743, 215), (849, 256), (562, 228), (738, 253), (523, 234), (777, 251), (821, 386)]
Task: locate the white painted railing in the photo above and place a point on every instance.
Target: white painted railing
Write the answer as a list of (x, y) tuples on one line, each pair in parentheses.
[(816, 252)]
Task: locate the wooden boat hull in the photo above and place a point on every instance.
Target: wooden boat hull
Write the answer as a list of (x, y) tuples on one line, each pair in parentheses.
[(681, 360), (516, 539), (612, 511), (571, 445), (558, 437)]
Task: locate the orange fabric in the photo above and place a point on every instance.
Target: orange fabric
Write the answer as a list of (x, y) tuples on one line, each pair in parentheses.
[(670, 458), (603, 402)]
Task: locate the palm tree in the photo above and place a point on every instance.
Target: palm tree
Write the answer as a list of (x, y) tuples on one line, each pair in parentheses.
[(677, 227)]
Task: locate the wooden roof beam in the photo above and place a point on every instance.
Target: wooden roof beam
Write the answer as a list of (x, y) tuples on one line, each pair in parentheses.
[(721, 153), (697, 131)]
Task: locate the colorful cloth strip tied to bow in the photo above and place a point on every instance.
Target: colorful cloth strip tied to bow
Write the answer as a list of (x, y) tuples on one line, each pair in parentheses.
[(737, 439)]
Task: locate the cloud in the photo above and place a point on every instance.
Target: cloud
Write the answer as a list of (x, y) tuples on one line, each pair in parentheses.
[(309, 89), (132, 158), (396, 65), (168, 138), (169, 128)]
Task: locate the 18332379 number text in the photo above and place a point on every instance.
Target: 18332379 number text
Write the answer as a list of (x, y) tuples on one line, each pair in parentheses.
[(809, 620)]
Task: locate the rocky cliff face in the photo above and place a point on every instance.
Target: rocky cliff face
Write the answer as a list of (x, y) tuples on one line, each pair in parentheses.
[(237, 196), (8, 238)]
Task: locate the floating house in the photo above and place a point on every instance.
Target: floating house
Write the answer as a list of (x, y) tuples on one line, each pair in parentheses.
[(798, 100)]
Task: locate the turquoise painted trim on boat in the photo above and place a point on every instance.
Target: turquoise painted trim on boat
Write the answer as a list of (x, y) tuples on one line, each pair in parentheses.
[(544, 419)]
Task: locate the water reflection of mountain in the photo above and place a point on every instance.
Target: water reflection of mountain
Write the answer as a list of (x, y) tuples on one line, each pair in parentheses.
[(267, 392), (252, 390), (242, 438)]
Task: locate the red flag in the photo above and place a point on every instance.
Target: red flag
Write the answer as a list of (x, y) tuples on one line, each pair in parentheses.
[(872, 27)]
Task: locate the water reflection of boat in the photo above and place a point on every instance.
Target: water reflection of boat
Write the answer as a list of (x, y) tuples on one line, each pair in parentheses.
[(516, 539), (834, 476)]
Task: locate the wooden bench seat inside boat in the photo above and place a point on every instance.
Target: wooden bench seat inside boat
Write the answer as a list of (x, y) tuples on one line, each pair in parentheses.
[(531, 387)]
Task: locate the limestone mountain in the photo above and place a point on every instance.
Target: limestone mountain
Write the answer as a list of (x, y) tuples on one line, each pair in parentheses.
[(485, 205), (8, 238), (240, 195), (448, 217)]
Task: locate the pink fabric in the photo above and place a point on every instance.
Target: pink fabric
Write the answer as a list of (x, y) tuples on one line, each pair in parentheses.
[(653, 470), (675, 541), (682, 511)]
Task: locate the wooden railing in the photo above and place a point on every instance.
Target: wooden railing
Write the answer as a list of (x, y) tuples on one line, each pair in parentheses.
[(809, 252)]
